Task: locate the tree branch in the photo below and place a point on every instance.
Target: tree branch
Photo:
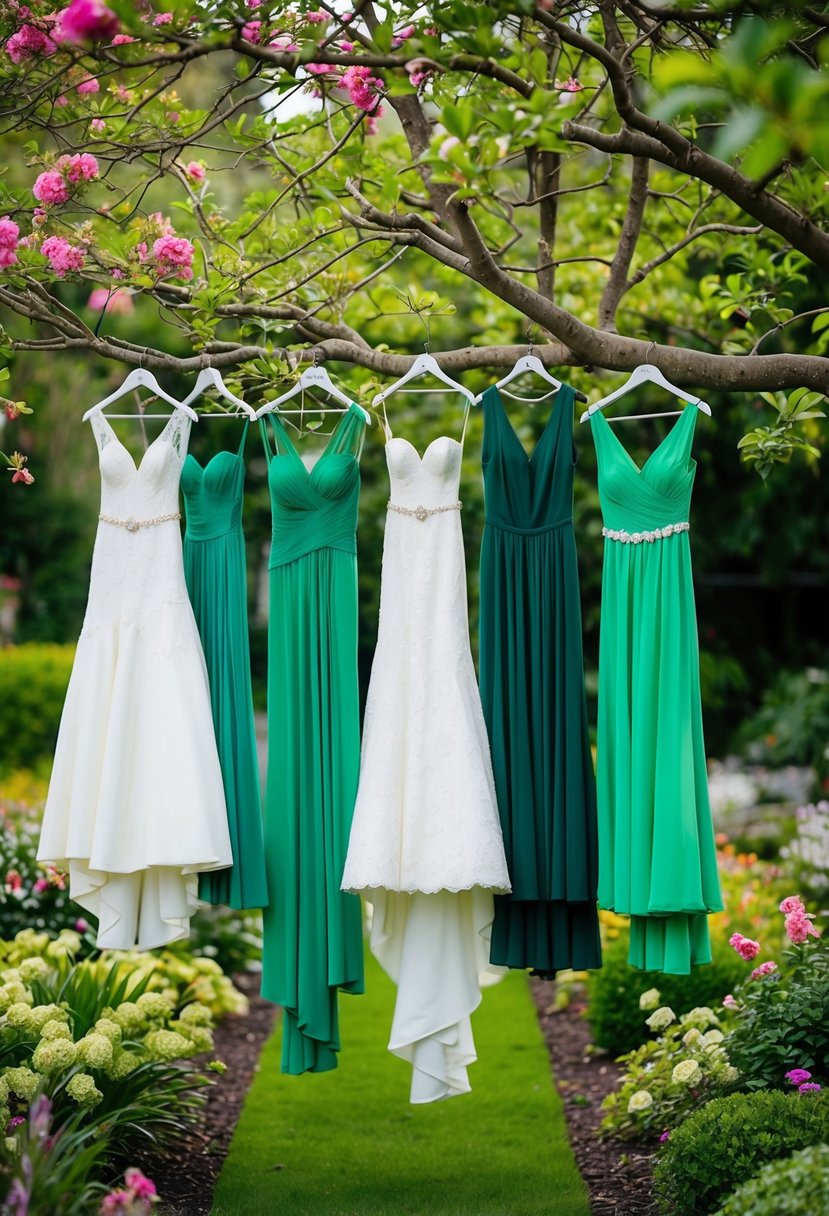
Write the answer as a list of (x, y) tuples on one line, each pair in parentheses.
[(616, 284)]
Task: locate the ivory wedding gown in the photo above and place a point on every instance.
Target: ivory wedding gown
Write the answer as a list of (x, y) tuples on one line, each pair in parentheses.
[(426, 847), (136, 808)]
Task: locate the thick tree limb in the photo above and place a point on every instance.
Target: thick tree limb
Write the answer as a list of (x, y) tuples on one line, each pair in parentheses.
[(617, 283)]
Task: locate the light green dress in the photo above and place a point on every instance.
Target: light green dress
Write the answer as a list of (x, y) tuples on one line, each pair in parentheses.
[(312, 930), (216, 573), (657, 858)]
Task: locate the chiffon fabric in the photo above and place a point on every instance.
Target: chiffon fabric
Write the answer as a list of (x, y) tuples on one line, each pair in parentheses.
[(215, 570), (657, 854), (135, 808), (312, 930), (426, 848), (532, 689)]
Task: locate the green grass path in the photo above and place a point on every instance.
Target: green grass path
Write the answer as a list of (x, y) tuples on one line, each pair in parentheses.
[(349, 1144)]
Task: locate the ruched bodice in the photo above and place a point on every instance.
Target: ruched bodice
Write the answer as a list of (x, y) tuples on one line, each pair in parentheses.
[(314, 508), (213, 495), (534, 493)]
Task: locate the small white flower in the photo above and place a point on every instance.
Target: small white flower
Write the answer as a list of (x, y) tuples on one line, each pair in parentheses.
[(641, 1100), (660, 1018), (686, 1072), (649, 999)]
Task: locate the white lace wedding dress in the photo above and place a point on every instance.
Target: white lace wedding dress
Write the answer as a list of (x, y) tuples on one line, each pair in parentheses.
[(136, 804), (425, 846)]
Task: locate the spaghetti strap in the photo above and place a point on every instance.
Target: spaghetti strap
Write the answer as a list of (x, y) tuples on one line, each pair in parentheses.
[(245, 429), (386, 426), (465, 421), (263, 431)]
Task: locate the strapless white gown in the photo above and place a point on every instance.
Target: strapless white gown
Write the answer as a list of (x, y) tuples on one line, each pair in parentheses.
[(136, 803), (426, 847)]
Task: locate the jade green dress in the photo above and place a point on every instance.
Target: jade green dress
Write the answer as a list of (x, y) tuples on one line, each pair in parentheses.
[(313, 932), (216, 574), (532, 690), (657, 856)]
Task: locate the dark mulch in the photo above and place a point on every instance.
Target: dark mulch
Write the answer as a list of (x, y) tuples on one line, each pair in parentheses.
[(618, 1177), (185, 1179)]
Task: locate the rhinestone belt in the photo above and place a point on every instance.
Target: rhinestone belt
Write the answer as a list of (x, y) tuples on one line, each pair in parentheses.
[(132, 525), (422, 513), (636, 538)]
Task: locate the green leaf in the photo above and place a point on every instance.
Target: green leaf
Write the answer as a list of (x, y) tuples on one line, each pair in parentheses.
[(741, 128)]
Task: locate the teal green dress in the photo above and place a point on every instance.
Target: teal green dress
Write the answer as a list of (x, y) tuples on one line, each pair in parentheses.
[(532, 690), (658, 861), (313, 931), (216, 574)]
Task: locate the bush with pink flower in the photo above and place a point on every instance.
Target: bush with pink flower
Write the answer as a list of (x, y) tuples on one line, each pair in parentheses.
[(66, 178)]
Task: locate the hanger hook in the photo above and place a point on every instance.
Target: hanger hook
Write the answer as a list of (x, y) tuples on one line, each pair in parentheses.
[(204, 361), (651, 345), (316, 356), (145, 351), (529, 336)]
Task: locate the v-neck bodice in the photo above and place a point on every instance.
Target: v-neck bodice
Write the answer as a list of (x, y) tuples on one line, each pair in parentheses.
[(637, 499), (528, 493), (314, 508)]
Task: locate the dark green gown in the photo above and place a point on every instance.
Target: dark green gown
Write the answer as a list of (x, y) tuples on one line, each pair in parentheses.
[(216, 573), (313, 942), (532, 689), (658, 857)]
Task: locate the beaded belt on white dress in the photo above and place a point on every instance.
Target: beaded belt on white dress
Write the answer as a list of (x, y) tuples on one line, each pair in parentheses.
[(422, 513), (132, 525), (636, 538)]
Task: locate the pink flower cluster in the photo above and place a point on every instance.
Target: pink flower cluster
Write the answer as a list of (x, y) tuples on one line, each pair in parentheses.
[(89, 84), (796, 1076), (115, 302), (28, 42), (138, 1196), (88, 21), (799, 925), (764, 969), (62, 256), (252, 32), (9, 239), (745, 947), (53, 186), (195, 170), (174, 256), (362, 88)]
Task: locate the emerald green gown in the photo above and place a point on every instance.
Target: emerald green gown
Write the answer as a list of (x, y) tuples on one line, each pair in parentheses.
[(216, 574), (532, 690), (658, 860), (312, 930)]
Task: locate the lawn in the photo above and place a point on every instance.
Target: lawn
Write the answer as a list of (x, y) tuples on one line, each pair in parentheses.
[(347, 1143)]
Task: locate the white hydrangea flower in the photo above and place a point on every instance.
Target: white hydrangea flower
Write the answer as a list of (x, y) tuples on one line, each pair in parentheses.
[(95, 1050), (19, 1015), (83, 1089), (33, 969), (712, 1036), (22, 1082), (55, 1030), (649, 999), (661, 1018), (641, 1100), (700, 1017), (154, 1005), (692, 1037), (53, 1055), (109, 1029), (686, 1072)]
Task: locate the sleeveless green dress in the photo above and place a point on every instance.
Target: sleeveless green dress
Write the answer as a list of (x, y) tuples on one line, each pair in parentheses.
[(532, 690), (313, 941), (216, 574), (658, 861)]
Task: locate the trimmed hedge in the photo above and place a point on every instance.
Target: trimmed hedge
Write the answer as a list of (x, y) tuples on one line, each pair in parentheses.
[(613, 992), (33, 682), (798, 1186), (728, 1140)]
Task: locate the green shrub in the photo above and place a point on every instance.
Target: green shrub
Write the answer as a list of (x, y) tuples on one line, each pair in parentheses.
[(792, 724), (798, 1186), (613, 992), (33, 682), (728, 1140)]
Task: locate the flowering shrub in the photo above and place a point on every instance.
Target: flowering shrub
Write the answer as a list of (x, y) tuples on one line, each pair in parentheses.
[(49, 1174), (798, 1186), (666, 1079), (807, 854), (31, 893), (728, 1140)]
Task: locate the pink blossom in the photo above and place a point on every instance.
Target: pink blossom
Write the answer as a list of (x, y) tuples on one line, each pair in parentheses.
[(665, 1136), (371, 121), (141, 1186), (416, 79), (13, 1123), (115, 1203), (792, 903), (174, 255), (88, 21), (25, 476), (252, 32), (163, 224), (284, 42), (89, 85), (12, 412), (195, 171), (62, 256), (316, 17), (763, 969), (123, 39), (796, 1076), (402, 36), (14, 881), (799, 926), (253, 3), (118, 301), (62, 100), (570, 85), (162, 18), (123, 93), (729, 1002), (809, 1087), (362, 87), (50, 187), (9, 234), (28, 42), (348, 47), (320, 69), (81, 925), (173, 116), (81, 167), (745, 947)]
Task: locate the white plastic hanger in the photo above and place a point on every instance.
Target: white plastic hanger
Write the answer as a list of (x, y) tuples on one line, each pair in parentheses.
[(646, 371), (313, 377), (425, 365), (529, 363), (139, 378), (209, 377)]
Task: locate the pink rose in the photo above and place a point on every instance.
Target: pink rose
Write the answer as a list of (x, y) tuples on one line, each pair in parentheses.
[(174, 255), (763, 969), (799, 927), (362, 87), (62, 256), (729, 1002), (88, 21), (796, 1076), (195, 171), (792, 903), (809, 1087), (141, 1186), (50, 187), (9, 240), (745, 946)]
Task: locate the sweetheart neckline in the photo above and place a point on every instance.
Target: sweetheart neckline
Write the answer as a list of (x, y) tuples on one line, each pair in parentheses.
[(409, 444)]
